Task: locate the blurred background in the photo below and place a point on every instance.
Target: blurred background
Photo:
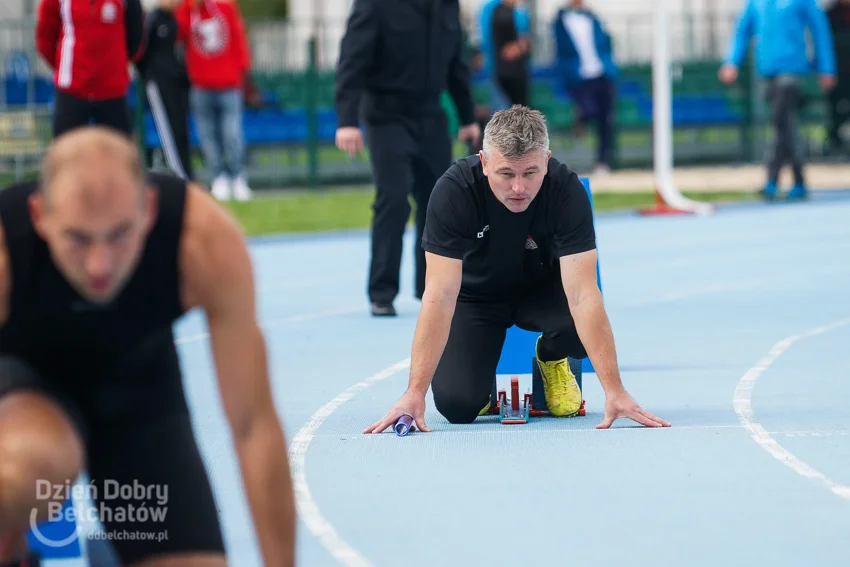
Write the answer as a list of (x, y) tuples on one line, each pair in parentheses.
[(290, 127)]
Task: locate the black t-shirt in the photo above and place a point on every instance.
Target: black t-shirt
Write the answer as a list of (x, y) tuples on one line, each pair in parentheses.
[(505, 252), (160, 60)]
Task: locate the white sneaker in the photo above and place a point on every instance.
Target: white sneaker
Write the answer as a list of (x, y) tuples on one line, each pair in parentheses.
[(241, 190), (601, 169), (221, 188)]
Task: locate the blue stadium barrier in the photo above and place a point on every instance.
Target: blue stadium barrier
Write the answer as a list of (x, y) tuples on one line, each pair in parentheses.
[(17, 72), (627, 88), (694, 110), (519, 348), (262, 127), (273, 125), (18, 92)]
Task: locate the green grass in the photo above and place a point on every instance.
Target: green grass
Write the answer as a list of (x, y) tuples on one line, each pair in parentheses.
[(351, 208), (302, 211)]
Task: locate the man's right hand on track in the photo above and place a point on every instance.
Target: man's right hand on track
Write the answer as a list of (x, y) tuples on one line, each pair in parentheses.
[(411, 403)]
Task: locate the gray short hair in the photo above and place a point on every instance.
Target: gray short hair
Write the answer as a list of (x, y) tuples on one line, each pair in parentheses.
[(516, 132)]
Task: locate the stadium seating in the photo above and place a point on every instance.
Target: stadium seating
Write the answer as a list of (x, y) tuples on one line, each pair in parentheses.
[(699, 101)]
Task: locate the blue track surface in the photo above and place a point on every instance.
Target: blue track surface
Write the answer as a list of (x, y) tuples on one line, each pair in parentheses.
[(754, 471)]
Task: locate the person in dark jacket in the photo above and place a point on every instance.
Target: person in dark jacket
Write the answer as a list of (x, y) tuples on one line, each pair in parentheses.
[(167, 87), (396, 58), (89, 44)]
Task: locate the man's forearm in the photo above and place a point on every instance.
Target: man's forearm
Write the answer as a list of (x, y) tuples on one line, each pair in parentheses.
[(594, 330), (268, 485), (429, 340)]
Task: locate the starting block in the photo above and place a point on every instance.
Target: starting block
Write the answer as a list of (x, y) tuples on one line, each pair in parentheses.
[(510, 410), (513, 407), (519, 348)]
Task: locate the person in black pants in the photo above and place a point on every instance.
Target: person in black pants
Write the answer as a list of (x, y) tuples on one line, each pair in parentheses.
[(511, 54), (509, 239), (396, 59), (167, 87)]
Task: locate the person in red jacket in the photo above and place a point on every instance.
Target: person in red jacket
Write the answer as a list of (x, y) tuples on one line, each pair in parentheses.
[(217, 60), (89, 44)]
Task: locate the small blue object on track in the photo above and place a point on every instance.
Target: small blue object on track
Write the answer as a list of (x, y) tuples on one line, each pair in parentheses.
[(403, 425)]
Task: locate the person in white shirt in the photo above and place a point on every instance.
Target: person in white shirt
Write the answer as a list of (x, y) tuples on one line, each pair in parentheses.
[(585, 61)]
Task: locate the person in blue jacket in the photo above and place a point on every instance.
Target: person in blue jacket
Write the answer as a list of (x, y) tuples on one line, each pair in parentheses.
[(585, 62), (779, 27)]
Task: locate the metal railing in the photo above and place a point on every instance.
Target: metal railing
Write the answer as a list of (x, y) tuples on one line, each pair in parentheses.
[(303, 50)]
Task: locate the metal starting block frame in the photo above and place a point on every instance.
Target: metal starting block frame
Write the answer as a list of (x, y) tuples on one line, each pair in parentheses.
[(510, 409), (514, 408)]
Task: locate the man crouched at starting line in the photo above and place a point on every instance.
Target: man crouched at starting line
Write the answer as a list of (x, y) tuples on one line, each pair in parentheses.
[(509, 240)]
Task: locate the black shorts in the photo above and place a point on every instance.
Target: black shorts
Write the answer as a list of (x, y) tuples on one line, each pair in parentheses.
[(137, 431), (72, 112), (463, 380)]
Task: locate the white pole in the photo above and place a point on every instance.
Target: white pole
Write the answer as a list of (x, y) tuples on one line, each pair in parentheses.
[(662, 116), (662, 119)]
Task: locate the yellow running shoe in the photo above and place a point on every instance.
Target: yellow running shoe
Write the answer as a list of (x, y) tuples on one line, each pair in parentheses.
[(486, 408), (563, 396)]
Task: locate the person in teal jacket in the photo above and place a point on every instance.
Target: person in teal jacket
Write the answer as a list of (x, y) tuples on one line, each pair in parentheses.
[(781, 59)]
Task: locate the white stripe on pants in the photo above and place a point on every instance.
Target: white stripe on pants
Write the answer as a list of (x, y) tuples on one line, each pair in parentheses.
[(163, 127)]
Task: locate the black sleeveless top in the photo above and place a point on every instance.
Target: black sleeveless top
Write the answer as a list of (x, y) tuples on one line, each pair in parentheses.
[(52, 327)]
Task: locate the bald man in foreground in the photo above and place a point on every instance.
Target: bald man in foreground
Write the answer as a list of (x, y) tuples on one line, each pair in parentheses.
[(97, 261)]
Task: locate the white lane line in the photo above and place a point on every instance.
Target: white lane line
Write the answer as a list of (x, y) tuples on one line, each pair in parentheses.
[(742, 401), (308, 509), (636, 430), (327, 535)]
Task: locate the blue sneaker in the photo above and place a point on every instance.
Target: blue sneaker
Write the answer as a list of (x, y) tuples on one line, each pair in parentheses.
[(799, 191), (769, 191)]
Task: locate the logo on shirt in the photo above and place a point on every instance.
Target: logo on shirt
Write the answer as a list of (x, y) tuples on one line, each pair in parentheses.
[(210, 36), (108, 13), (530, 244), (483, 230)]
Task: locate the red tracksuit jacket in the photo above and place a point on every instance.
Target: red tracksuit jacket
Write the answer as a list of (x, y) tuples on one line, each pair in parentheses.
[(217, 53), (87, 42)]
